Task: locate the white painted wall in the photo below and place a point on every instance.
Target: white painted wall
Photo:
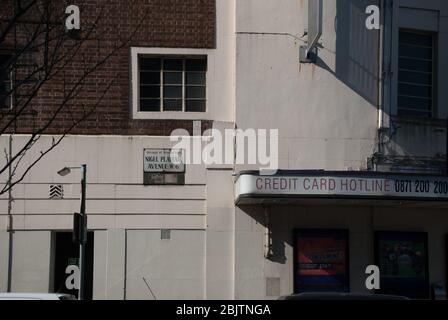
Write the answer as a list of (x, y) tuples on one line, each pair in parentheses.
[(326, 113), (116, 196)]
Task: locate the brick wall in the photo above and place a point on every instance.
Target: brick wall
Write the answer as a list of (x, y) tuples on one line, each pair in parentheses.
[(144, 23)]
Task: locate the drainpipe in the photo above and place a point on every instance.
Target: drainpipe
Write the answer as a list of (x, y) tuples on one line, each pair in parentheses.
[(380, 122), (10, 226), (384, 71)]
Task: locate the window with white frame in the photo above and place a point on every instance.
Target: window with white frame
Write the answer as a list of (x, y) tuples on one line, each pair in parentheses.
[(5, 82), (171, 83), (416, 63)]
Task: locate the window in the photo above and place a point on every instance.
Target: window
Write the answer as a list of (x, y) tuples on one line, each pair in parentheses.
[(5, 82), (416, 74), (172, 84)]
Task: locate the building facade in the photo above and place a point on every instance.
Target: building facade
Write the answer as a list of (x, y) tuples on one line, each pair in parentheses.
[(361, 156)]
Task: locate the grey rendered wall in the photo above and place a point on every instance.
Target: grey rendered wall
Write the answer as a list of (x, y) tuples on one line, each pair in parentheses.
[(172, 269), (31, 263), (109, 265), (220, 235)]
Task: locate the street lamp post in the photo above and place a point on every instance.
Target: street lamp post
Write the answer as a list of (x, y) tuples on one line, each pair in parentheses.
[(82, 233), (83, 240)]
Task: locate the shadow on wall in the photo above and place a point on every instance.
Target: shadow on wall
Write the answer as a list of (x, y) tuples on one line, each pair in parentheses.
[(415, 146), (357, 49), (281, 236)]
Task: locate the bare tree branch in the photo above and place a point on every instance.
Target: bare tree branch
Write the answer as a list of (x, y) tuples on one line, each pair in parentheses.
[(51, 50), (54, 144)]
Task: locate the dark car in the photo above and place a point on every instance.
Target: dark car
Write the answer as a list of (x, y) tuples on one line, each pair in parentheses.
[(340, 296)]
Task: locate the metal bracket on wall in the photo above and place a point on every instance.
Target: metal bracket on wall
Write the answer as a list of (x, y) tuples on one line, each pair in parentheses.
[(306, 56), (268, 252)]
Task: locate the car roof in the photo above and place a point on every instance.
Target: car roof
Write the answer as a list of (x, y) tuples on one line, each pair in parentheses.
[(341, 296), (32, 296)]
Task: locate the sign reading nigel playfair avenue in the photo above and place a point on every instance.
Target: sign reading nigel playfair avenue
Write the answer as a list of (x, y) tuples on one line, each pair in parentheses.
[(163, 160), (343, 185)]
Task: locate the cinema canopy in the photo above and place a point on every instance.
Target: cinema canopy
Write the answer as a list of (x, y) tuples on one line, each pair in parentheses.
[(252, 187)]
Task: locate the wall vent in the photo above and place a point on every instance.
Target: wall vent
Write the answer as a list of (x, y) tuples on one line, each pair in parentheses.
[(165, 234), (56, 191)]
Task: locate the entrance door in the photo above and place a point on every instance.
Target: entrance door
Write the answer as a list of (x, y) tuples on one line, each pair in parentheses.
[(67, 254)]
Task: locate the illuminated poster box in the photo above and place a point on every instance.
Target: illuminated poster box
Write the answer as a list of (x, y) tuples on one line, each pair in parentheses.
[(403, 260), (321, 261)]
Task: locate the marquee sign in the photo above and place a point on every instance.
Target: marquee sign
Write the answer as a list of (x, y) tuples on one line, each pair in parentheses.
[(335, 185)]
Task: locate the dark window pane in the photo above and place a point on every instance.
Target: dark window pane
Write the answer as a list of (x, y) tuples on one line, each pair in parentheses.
[(415, 77), (8, 87), (195, 105), (149, 77), (172, 92), (415, 88), (415, 39), (414, 103), (416, 91), (149, 91), (414, 113), (3, 77), (5, 101), (4, 87), (196, 65), (415, 52), (4, 59), (153, 64), (172, 105), (173, 64), (417, 65), (4, 73), (196, 78), (5, 83), (195, 93), (172, 78), (149, 104)]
